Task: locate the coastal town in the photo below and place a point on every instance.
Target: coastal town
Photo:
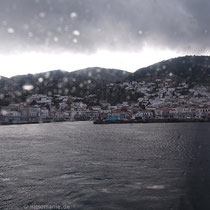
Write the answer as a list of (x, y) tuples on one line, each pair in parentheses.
[(161, 99)]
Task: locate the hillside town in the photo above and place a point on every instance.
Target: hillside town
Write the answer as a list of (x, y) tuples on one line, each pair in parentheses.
[(162, 99)]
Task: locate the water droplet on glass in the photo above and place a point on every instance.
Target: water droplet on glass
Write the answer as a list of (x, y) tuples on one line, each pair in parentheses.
[(42, 15), (205, 31), (3, 112), (76, 33), (75, 41), (18, 93), (73, 89), (66, 91), (60, 85), (30, 34), (41, 79), (73, 15), (28, 87), (11, 30), (89, 74), (49, 93), (55, 39), (65, 79), (47, 75), (140, 32)]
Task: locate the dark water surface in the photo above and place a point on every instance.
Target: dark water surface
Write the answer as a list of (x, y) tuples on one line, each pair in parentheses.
[(84, 166)]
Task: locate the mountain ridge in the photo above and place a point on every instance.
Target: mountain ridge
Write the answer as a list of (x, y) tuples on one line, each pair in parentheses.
[(191, 68), (94, 80)]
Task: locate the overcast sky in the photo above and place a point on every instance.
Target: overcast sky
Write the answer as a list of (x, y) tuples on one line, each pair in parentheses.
[(42, 35)]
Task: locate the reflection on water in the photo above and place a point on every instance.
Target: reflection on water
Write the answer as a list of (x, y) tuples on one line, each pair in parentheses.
[(86, 166)]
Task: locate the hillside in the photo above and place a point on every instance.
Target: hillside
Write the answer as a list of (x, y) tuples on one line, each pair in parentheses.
[(78, 83), (93, 81), (192, 69)]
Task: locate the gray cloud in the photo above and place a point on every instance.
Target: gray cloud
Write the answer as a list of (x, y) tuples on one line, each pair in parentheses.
[(89, 25)]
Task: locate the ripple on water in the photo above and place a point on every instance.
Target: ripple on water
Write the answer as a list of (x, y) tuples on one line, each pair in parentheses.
[(5, 179), (156, 187), (70, 175), (105, 190), (143, 166)]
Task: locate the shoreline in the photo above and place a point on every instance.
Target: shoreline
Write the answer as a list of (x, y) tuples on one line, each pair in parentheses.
[(31, 122), (152, 121), (102, 122)]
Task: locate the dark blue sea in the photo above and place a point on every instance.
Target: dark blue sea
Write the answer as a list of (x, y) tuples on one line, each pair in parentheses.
[(78, 165)]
